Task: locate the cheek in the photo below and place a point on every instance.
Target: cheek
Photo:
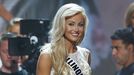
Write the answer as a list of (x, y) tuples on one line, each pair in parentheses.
[(81, 30), (124, 54), (67, 28), (3, 57)]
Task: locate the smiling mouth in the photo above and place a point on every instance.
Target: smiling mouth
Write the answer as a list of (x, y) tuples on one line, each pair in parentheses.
[(76, 35)]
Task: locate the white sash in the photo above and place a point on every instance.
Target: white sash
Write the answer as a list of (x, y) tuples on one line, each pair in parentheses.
[(74, 66)]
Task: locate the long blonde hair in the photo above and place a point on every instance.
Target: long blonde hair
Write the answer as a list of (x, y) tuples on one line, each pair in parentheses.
[(128, 14), (59, 52)]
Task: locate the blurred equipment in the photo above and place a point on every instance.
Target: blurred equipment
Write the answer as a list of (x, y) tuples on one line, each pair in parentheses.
[(34, 33)]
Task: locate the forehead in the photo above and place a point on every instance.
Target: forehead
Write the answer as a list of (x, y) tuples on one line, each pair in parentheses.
[(117, 42), (76, 16)]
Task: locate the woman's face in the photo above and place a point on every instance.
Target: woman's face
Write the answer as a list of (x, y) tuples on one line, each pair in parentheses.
[(74, 27)]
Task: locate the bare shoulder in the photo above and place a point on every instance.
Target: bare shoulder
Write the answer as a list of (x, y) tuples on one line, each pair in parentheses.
[(44, 64), (45, 57)]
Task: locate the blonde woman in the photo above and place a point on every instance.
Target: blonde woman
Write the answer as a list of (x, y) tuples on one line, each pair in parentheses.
[(63, 56)]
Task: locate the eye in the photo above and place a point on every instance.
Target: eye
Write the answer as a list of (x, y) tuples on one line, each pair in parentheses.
[(71, 24), (115, 47), (81, 24)]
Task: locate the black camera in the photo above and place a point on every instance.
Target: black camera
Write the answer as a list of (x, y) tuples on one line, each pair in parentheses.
[(19, 46), (34, 34)]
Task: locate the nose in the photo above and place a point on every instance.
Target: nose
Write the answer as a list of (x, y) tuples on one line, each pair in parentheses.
[(76, 28), (114, 52)]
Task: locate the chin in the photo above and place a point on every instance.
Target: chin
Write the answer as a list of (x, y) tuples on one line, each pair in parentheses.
[(74, 40)]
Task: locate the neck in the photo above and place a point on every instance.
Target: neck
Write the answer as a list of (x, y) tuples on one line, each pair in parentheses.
[(71, 47)]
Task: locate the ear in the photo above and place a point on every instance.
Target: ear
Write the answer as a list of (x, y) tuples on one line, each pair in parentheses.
[(131, 48)]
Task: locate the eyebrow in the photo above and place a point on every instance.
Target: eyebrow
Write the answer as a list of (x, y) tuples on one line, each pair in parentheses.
[(74, 21), (114, 47)]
